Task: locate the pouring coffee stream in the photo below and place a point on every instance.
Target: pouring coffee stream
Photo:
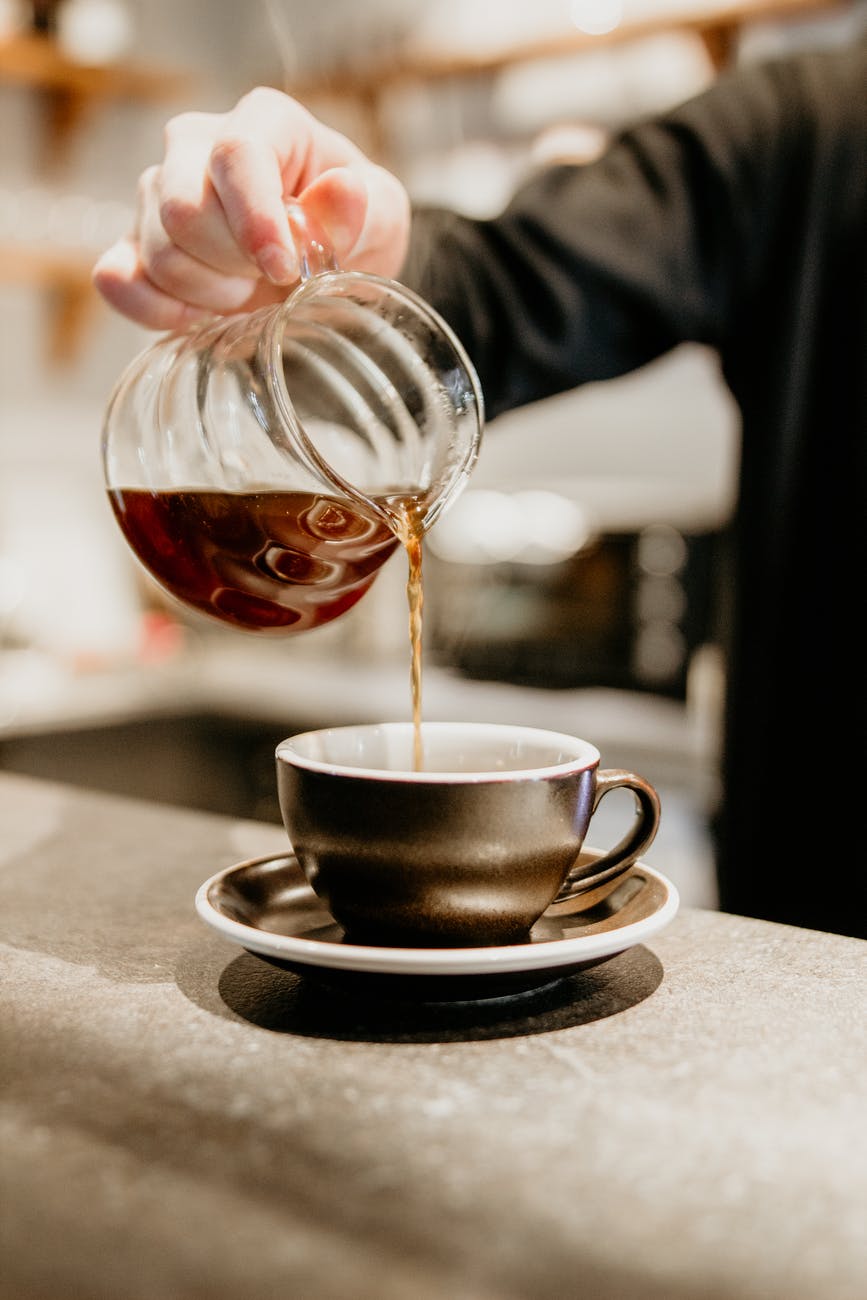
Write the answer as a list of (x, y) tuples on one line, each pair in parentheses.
[(406, 513), (263, 467)]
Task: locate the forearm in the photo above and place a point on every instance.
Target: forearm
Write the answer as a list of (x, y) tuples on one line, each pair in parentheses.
[(592, 271)]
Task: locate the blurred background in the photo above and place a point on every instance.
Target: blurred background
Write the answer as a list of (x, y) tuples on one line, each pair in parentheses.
[(580, 582)]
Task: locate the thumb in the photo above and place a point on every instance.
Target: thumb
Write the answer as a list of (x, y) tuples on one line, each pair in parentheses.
[(335, 210)]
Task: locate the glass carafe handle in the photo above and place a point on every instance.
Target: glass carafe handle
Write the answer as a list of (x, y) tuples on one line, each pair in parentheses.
[(315, 254)]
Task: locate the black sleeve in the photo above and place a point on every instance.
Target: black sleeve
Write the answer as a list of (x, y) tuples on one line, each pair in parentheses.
[(593, 270)]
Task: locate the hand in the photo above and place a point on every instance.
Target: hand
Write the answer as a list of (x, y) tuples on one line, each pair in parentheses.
[(211, 233)]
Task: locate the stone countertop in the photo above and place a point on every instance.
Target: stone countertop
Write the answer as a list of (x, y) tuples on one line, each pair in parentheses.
[(179, 1119)]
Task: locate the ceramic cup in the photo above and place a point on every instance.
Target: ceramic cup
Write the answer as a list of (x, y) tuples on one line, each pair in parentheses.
[(470, 850)]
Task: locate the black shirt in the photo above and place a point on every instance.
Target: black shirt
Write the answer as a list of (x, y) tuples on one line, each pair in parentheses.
[(738, 220)]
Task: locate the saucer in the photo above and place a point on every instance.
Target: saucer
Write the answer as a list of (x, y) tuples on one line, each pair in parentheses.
[(267, 907)]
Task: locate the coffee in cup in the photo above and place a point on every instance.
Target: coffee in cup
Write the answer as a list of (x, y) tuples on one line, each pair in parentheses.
[(468, 851)]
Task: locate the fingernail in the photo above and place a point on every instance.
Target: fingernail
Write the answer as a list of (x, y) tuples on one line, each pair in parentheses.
[(279, 264)]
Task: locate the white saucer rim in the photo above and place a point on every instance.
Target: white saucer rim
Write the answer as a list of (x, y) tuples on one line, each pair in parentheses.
[(514, 958)]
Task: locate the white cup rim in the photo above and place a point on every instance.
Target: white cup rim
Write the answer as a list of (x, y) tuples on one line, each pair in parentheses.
[(575, 753)]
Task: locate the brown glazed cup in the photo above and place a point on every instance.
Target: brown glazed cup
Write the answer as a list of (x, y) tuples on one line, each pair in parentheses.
[(470, 850)]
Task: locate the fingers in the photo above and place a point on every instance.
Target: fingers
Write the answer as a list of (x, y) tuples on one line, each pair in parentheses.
[(384, 239), (263, 153), (336, 204), (215, 277), (212, 232), (365, 213), (120, 278), (178, 204), (225, 182)]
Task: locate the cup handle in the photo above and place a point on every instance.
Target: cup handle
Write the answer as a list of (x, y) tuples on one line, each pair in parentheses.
[(624, 854)]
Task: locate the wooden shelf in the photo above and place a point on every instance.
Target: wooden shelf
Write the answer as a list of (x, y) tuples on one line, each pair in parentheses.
[(718, 23), (66, 277), (37, 61), (710, 18), (69, 89)]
